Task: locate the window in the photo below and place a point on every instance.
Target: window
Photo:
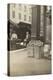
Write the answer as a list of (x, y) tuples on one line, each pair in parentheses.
[(20, 7), (19, 16), (29, 18), (13, 14), (14, 5), (30, 11), (24, 17), (24, 8)]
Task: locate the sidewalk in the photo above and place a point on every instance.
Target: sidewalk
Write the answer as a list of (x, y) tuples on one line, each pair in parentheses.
[(21, 64)]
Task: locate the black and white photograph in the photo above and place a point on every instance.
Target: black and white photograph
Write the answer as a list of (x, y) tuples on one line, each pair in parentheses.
[(29, 39)]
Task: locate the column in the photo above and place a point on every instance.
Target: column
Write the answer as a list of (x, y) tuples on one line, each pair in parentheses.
[(35, 29), (44, 23)]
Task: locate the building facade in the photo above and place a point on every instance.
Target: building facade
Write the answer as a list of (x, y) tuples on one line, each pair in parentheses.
[(33, 15), (20, 13)]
